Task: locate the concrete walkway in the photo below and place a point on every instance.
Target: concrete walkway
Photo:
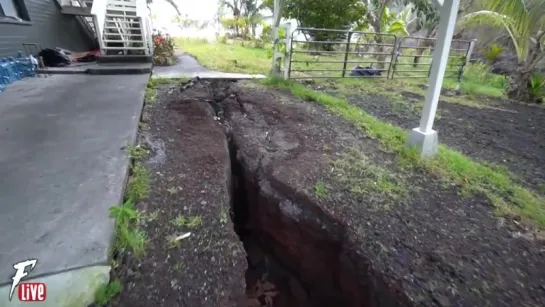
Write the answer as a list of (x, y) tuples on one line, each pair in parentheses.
[(62, 167), (187, 66)]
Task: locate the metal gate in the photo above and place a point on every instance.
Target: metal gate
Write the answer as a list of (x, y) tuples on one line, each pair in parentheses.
[(326, 53)]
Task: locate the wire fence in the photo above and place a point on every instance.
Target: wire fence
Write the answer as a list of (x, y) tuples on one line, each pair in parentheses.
[(326, 53)]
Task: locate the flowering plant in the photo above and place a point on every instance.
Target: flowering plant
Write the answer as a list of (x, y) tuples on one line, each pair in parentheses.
[(163, 53)]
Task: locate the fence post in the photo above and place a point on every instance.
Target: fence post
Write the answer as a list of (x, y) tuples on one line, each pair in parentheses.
[(466, 62), (287, 51), (393, 57), (346, 52)]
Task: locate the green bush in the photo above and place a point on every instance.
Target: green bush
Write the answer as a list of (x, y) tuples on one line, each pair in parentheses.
[(163, 54), (491, 54)]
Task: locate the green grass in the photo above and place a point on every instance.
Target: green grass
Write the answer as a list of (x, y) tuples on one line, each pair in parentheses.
[(478, 80), (373, 183), (450, 166), (153, 83), (107, 292)]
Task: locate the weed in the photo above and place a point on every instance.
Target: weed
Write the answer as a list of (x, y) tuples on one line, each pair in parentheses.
[(128, 237), (173, 242), (449, 165), (492, 53), (179, 266), (320, 190), (106, 293), (151, 216), (194, 221), (136, 152), (172, 190), (139, 183), (224, 215), (179, 221)]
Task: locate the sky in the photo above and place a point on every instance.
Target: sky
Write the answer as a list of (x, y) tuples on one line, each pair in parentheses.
[(195, 9)]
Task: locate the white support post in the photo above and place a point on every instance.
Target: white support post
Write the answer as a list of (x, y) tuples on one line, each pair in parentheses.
[(424, 137), (287, 54), (277, 16)]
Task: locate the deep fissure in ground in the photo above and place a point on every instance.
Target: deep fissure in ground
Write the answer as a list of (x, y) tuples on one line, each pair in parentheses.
[(308, 270)]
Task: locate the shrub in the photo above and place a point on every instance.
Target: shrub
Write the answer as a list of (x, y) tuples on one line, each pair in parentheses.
[(491, 54), (163, 54), (537, 87)]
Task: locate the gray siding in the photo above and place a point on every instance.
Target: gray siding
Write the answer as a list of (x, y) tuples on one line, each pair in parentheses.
[(48, 27)]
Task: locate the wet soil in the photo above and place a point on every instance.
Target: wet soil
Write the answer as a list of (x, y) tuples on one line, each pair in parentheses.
[(315, 228), (190, 174), (504, 133)]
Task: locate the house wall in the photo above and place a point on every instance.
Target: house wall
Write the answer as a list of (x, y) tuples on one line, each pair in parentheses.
[(47, 27)]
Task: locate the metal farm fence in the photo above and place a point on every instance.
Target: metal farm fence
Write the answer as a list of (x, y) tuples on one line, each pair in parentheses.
[(326, 53)]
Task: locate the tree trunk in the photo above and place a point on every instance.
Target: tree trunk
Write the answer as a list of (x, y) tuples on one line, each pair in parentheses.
[(518, 86)]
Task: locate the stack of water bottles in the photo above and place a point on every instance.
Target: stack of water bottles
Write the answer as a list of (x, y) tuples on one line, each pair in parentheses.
[(16, 68)]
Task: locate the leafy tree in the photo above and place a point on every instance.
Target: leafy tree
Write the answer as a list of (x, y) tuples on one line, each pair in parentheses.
[(235, 6), (524, 21), (322, 14)]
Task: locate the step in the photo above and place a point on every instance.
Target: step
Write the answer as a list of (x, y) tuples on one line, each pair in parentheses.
[(123, 21), (116, 28), (121, 9), (124, 59), (123, 41), (118, 34), (121, 16), (124, 48)]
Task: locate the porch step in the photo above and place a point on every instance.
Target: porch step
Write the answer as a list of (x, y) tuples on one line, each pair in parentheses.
[(115, 28), (131, 41), (124, 59), (124, 48), (121, 16)]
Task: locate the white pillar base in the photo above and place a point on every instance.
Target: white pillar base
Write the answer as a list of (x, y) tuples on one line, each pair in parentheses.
[(426, 143)]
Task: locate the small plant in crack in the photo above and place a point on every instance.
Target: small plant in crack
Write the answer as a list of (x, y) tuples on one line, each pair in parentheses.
[(320, 190), (179, 221), (128, 237), (137, 152), (139, 183), (151, 216), (106, 293), (173, 241), (224, 215), (194, 221), (179, 266)]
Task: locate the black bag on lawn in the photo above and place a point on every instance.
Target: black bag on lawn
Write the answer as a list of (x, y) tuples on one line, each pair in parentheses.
[(54, 58)]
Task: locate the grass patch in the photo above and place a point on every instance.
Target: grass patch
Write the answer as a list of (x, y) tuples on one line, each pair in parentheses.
[(154, 83), (227, 58), (320, 190), (106, 293), (449, 165), (363, 178)]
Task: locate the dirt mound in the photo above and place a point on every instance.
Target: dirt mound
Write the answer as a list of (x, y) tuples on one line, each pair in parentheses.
[(355, 228)]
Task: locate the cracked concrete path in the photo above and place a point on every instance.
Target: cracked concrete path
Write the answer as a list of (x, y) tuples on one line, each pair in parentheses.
[(188, 66), (63, 166)]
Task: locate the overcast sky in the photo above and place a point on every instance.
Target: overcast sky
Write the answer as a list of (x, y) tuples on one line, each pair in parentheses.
[(195, 9)]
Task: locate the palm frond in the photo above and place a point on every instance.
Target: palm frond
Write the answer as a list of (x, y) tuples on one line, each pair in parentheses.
[(519, 40), (174, 5)]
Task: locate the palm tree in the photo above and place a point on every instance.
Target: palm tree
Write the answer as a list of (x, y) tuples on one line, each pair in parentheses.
[(171, 2), (524, 21)]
